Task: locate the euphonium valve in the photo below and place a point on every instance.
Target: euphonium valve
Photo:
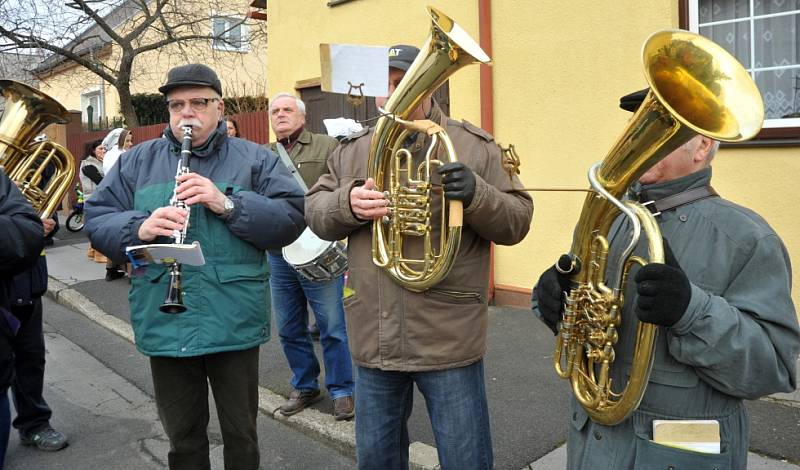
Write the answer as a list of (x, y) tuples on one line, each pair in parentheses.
[(696, 87), (408, 183)]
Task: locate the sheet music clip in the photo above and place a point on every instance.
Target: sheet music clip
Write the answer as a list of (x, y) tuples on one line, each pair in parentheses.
[(355, 71), (355, 100)]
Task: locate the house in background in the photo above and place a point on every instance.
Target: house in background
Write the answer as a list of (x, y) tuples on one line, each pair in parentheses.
[(553, 90), (239, 57), (17, 67)]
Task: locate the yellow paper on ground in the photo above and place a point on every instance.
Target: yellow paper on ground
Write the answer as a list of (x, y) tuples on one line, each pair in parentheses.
[(695, 435)]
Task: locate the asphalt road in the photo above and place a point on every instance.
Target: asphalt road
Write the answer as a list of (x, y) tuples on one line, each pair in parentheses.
[(100, 390)]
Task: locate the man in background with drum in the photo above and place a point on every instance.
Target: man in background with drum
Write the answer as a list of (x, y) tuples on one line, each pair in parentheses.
[(292, 292)]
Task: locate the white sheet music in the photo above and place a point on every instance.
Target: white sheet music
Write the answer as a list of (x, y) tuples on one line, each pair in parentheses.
[(343, 63)]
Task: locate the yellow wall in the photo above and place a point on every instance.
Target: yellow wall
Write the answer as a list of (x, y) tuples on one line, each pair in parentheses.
[(240, 73), (294, 43), (558, 76)]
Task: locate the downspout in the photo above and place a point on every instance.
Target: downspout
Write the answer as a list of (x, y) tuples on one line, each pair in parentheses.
[(487, 97)]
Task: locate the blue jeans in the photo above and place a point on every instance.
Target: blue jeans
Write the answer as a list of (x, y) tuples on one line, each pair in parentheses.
[(456, 402), (291, 294)]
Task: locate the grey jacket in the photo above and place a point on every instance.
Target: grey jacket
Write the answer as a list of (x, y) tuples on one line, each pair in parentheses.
[(739, 338)]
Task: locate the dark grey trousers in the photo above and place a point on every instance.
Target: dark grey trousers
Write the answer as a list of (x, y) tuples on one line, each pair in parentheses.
[(181, 389)]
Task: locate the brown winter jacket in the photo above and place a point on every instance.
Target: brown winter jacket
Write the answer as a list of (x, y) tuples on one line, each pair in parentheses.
[(389, 327)]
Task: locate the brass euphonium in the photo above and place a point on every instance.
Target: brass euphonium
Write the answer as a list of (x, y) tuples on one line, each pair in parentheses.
[(696, 87), (447, 49), (27, 112)]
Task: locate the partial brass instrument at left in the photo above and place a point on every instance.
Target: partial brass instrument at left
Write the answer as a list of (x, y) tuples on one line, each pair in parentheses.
[(27, 112)]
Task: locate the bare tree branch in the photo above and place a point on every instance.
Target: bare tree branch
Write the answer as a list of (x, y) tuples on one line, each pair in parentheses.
[(107, 37)]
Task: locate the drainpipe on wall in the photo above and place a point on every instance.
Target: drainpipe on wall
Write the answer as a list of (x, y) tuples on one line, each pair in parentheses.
[(487, 96)]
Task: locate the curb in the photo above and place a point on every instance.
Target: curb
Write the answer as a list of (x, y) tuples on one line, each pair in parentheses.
[(340, 434)]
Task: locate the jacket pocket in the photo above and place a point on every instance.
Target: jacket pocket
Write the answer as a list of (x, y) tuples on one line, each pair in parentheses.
[(245, 272), (454, 296), (650, 455)]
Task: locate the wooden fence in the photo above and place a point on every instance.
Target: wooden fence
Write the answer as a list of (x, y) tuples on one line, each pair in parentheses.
[(253, 126)]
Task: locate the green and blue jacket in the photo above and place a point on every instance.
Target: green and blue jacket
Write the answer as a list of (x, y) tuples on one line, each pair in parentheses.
[(227, 299)]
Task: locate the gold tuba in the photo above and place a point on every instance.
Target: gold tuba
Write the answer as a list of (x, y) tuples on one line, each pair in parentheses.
[(27, 112), (447, 49), (696, 87)]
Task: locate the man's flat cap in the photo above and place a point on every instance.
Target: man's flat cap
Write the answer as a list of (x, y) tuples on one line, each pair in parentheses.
[(402, 56), (191, 75), (631, 102)]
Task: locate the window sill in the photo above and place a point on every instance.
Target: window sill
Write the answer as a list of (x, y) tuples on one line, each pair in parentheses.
[(243, 50), (770, 137)]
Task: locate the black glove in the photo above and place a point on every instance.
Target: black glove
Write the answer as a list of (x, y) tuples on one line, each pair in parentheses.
[(549, 292), (458, 182), (663, 291)]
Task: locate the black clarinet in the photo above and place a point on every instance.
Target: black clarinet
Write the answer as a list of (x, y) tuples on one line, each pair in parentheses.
[(173, 302)]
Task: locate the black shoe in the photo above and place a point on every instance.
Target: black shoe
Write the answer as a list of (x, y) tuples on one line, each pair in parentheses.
[(343, 408), (113, 274), (47, 439), (300, 400)]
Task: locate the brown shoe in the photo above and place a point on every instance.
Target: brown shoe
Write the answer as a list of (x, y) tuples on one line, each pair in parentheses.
[(300, 400), (343, 408)]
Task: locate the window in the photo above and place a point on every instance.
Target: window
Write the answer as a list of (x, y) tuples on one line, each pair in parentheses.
[(765, 36), (230, 34)]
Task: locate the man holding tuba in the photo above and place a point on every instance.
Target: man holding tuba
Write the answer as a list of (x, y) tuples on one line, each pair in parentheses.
[(728, 329), (241, 201), (436, 338)]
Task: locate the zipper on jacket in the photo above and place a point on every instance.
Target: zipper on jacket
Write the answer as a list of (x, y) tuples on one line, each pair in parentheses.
[(458, 296)]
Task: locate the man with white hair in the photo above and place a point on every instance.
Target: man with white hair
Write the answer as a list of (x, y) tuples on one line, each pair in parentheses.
[(722, 302), (291, 292)]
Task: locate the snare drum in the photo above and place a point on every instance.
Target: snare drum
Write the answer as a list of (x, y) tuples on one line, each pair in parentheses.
[(316, 259)]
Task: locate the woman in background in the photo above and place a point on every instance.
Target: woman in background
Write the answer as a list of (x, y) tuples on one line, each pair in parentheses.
[(233, 127), (116, 143), (91, 173)]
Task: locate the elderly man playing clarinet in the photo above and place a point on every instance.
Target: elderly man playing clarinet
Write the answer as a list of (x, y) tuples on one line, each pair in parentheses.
[(241, 201)]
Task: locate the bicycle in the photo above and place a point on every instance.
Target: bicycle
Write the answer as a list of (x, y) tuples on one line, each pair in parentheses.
[(75, 221)]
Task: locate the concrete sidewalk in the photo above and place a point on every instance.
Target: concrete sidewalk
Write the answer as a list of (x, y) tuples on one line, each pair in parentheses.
[(525, 387)]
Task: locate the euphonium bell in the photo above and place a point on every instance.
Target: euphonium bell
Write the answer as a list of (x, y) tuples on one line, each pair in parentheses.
[(696, 87), (27, 112), (447, 49)]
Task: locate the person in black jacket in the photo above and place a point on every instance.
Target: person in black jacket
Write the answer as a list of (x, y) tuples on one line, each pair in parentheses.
[(25, 292), (20, 245)]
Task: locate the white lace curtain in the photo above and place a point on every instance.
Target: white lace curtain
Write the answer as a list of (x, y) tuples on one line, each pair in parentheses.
[(765, 37)]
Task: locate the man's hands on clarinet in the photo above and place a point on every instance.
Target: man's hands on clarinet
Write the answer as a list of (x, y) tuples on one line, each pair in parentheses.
[(192, 189), (197, 189), (162, 223)]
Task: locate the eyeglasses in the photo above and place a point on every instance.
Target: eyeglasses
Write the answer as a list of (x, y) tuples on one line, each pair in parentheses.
[(197, 104)]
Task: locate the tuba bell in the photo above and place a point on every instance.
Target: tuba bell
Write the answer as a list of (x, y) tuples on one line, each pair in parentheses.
[(27, 112), (447, 49), (696, 87)]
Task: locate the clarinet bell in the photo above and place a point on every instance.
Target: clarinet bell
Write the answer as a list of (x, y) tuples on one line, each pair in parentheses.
[(173, 302)]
